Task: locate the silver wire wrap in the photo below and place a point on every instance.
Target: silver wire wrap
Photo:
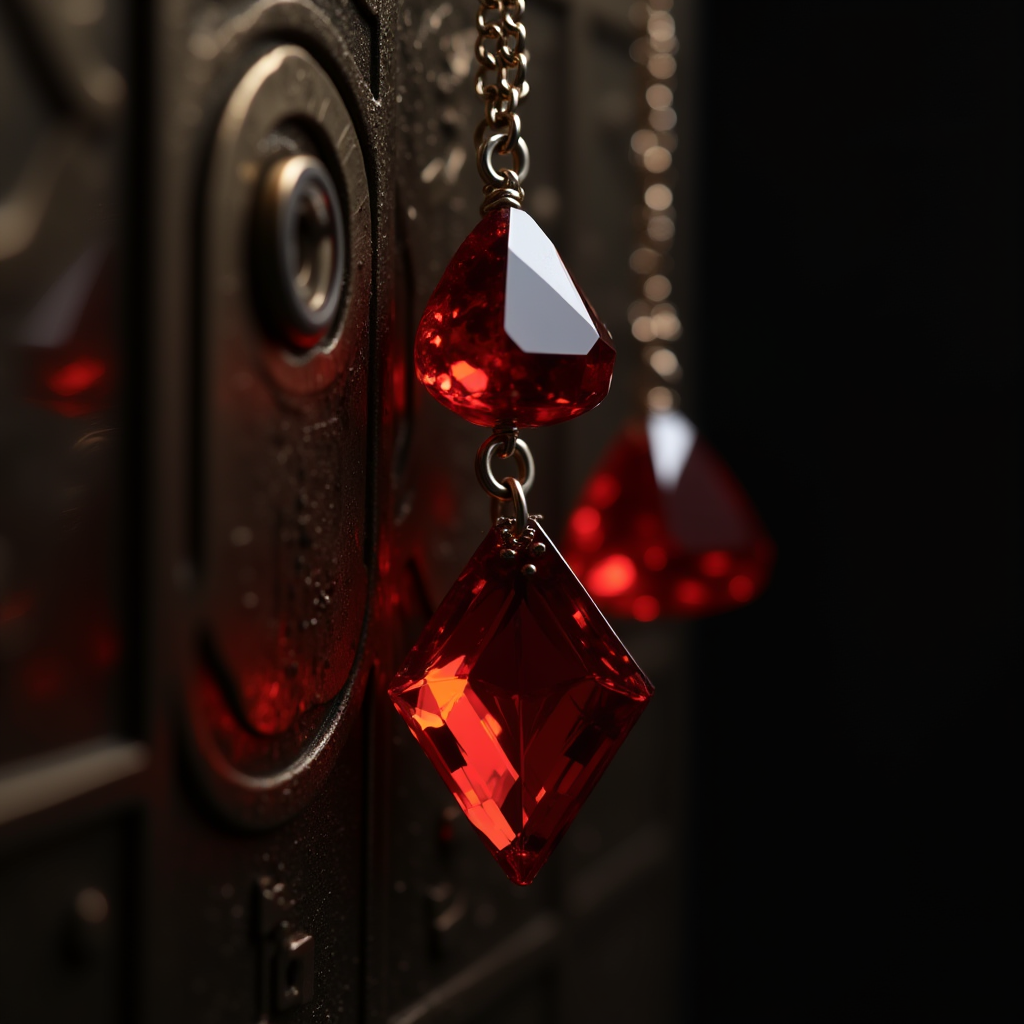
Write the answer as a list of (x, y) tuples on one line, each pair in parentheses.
[(501, 83)]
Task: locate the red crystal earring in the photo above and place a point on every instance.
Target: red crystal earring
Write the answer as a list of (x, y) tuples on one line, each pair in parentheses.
[(518, 690), (663, 528)]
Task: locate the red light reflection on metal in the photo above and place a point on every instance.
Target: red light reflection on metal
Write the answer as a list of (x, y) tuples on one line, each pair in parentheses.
[(75, 377)]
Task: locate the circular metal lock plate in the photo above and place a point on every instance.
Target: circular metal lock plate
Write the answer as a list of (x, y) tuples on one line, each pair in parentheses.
[(299, 250), (282, 439), (285, 106)]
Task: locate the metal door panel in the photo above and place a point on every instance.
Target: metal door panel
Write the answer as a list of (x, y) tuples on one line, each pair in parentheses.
[(62, 373), (314, 842)]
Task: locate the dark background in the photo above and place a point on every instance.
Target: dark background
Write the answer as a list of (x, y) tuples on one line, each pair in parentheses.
[(857, 836)]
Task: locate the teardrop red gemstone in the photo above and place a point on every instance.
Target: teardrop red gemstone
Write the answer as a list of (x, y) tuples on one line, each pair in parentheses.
[(520, 693), (664, 528), (507, 336)]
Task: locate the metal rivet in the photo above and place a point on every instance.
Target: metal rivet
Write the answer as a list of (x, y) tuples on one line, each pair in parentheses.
[(294, 974), (91, 906), (507, 554), (539, 548), (529, 569), (87, 936)]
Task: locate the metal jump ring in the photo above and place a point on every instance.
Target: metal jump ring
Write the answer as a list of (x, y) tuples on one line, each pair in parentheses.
[(518, 494), (485, 472), (485, 160)]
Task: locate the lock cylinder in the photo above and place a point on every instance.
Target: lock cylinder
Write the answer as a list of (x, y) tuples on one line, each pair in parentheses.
[(300, 250)]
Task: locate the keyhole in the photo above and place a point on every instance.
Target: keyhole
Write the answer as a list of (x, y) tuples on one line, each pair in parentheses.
[(300, 250), (314, 240), (293, 976)]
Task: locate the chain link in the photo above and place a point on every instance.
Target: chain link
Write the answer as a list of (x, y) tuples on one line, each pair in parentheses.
[(501, 83)]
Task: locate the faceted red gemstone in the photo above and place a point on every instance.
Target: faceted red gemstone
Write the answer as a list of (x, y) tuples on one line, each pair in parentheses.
[(664, 528), (507, 336), (520, 693)]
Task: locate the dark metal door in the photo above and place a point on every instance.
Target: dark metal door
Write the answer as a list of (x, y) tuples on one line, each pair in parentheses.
[(226, 513)]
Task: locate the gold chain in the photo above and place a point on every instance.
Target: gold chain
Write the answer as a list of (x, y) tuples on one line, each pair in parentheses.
[(654, 319), (501, 84)]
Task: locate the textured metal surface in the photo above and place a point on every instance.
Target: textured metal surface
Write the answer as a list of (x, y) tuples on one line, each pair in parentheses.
[(207, 870), (62, 150), (281, 443)]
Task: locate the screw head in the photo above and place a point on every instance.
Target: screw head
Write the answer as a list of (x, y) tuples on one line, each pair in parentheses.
[(529, 569)]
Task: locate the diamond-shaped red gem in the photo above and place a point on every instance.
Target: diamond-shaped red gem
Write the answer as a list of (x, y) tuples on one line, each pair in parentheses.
[(665, 529), (520, 693), (507, 336)]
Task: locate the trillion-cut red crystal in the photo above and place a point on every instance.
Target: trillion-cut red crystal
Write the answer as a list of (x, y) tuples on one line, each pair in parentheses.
[(520, 693), (664, 529), (507, 336)]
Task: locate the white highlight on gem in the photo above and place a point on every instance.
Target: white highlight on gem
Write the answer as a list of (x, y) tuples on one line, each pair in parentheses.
[(544, 312), (670, 437)]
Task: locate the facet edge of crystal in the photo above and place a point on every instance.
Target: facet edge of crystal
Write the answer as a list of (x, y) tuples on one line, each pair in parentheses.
[(534, 357), (520, 694)]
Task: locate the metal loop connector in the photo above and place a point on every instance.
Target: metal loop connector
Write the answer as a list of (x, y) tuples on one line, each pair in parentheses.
[(496, 444), (518, 494), (520, 161), (516, 31), (519, 81)]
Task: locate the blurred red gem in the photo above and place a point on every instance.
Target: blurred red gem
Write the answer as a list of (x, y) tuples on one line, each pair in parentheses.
[(664, 529), (507, 336), (76, 376), (520, 693)]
